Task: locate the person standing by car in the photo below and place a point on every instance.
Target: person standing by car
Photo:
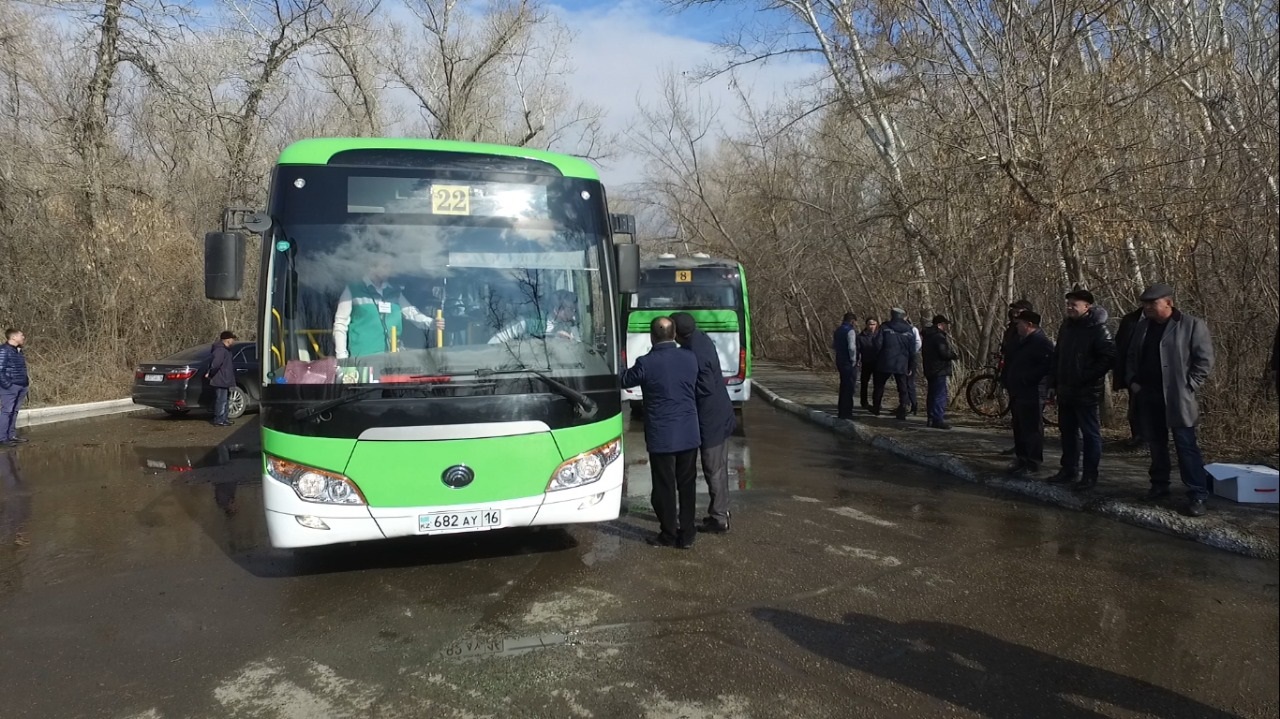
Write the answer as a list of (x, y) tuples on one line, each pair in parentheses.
[(938, 354), (715, 420), (14, 383), (668, 376), (222, 376), (1084, 355)]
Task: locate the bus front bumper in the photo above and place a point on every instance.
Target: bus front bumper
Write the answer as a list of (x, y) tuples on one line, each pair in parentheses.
[(291, 522)]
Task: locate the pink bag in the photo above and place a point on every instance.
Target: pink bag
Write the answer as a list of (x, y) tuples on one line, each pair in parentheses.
[(322, 371)]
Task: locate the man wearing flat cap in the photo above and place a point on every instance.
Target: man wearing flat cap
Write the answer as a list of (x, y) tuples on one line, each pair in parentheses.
[(937, 354), (1084, 355), (1170, 359)]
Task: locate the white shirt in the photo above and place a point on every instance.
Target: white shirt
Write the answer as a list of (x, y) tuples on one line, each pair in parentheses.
[(342, 318)]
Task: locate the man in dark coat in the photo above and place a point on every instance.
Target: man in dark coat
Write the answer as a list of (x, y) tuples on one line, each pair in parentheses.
[(938, 354), (1124, 336), (1084, 355), (715, 419), (14, 383), (668, 377), (1169, 361), (845, 346), (1027, 365), (895, 356), (867, 357), (1008, 342), (222, 376)]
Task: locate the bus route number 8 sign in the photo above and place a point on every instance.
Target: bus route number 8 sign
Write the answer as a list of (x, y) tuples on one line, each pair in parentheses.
[(684, 276)]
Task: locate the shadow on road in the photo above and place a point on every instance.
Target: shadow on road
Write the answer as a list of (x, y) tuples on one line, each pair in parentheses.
[(977, 671)]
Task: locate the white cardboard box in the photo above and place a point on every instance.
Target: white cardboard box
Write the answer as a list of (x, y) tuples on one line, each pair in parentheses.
[(1246, 483)]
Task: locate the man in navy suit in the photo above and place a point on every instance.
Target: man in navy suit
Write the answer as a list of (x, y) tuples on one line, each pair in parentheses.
[(715, 419), (668, 376)]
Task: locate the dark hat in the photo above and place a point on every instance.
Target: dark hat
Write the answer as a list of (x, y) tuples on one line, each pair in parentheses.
[(1080, 293), (685, 323), (1155, 292), (897, 313), (940, 320), (1021, 305), (227, 335), (1030, 317)]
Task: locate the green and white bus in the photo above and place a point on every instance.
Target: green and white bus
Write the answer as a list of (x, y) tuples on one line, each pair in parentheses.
[(714, 292), (439, 338)]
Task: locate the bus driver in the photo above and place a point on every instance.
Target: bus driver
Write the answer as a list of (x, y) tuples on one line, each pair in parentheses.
[(371, 312), (562, 321)]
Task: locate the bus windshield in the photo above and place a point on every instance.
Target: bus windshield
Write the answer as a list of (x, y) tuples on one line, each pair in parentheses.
[(688, 297), (391, 289)]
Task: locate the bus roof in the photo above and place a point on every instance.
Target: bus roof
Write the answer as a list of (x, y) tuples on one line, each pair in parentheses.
[(687, 263), (318, 151)]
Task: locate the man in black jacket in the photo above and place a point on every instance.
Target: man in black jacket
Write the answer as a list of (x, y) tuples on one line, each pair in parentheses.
[(895, 345), (1124, 336), (1008, 342), (1085, 354), (867, 357), (1027, 364), (715, 419), (222, 377), (938, 354)]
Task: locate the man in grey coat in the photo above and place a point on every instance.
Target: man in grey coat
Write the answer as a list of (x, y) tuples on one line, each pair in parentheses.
[(1169, 360)]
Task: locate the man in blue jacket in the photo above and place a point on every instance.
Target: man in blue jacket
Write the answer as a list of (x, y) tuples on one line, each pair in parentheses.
[(895, 356), (715, 419), (13, 385), (222, 377), (845, 345), (668, 376)]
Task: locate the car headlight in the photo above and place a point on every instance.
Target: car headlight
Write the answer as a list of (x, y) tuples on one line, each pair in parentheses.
[(314, 485), (586, 467)]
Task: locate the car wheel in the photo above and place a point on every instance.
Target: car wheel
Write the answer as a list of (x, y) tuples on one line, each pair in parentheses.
[(237, 402)]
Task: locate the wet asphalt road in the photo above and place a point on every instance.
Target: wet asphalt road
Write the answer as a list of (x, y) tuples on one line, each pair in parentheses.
[(136, 581)]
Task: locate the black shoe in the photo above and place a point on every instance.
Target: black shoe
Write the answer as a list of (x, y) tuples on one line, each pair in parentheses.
[(684, 544), (714, 526), (1085, 484), (1020, 468), (660, 540), (1007, 452), (1157, 491), (941, 425), (1134, 442), (1197, 508), (901, 413), (19, 440), (1064, 476)]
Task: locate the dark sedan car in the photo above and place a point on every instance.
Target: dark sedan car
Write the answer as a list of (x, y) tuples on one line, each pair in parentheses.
[(176, 384)]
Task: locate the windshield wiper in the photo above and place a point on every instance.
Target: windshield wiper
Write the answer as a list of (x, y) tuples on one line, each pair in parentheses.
[(303, 413), (584, 403)]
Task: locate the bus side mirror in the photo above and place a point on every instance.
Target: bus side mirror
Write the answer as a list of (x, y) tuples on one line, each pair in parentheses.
[(223, 265), (628, 268)]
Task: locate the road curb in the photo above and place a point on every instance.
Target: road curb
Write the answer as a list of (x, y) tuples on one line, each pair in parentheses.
[(1160, 519), (71, 412)]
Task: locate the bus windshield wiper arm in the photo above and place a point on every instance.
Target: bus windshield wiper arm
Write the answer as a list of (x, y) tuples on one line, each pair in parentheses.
[(585, 403), (359, 394)]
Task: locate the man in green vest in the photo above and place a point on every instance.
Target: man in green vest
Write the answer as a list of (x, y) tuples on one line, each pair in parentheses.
[(371, 314)]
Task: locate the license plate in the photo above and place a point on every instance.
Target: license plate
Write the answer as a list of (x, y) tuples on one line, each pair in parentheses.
[(473, 647), (459, 521), (154, 378), (156, 464)]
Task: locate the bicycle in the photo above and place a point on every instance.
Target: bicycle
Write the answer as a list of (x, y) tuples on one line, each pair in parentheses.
[(988, 398)]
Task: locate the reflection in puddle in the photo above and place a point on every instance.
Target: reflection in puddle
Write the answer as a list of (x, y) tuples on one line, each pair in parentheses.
[(485, 647), (639, 478), (158, 460)]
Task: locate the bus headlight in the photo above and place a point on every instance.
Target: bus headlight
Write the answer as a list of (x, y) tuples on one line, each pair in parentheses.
[(314, 485), (586, 467)]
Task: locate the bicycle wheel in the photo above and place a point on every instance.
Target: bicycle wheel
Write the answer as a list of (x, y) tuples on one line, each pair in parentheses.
[(986, 397)]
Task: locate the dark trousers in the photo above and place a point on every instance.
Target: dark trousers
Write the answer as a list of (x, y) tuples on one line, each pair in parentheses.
[(715, 469), (1155, 424), (10, 402), (936, 401), (1028, 428), (675, 477), (220, 395), (848, 383), (1134, 417), (1078, 421), (899, 381), (911, 391), (867, 373)]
